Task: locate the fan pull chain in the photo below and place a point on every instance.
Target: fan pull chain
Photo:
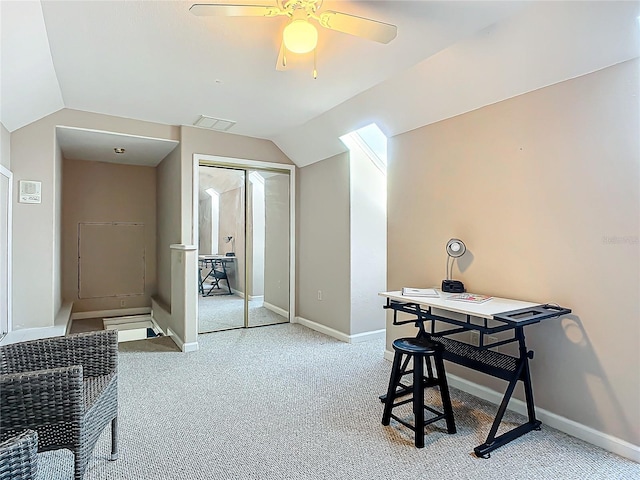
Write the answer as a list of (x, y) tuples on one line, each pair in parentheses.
[(284, 54), (315, 61)]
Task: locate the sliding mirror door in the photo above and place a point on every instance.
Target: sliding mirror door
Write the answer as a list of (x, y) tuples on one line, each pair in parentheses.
[(268, 247), (244, 249), (221, 241)]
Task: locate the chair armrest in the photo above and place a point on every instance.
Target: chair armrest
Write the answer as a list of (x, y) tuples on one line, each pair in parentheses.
[(97, 352), (32, 399)]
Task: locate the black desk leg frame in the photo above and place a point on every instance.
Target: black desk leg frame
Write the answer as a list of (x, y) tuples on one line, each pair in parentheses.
[(522, 373)]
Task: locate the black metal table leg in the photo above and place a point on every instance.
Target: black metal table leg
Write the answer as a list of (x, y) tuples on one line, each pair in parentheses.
[(522, 373)]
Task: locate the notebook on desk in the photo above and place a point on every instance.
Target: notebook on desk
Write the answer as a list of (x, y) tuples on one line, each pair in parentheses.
[(420, 292)]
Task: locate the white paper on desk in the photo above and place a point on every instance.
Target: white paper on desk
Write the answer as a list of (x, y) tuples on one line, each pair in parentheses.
[(420, 292), (470, 297)]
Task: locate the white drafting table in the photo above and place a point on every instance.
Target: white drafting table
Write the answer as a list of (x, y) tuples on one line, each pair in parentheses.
[(486, 309), (490, 317)]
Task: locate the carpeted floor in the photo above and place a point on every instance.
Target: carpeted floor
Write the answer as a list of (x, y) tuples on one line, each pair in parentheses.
[(222, 312), (285, 402)]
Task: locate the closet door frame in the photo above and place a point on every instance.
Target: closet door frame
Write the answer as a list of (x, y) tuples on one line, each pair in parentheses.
[(245, 164), (8, 252)]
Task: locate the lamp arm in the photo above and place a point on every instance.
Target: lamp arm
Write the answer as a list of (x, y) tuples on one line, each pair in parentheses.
[(447, 269)]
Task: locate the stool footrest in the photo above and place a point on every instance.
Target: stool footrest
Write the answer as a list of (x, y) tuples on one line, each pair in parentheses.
[(406, 349), (440, 416)]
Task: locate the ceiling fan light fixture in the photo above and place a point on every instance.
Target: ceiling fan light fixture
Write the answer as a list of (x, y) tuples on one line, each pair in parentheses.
[(299, 36)]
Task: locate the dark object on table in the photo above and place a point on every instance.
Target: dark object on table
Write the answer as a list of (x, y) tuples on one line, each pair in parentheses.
[(452, 286)]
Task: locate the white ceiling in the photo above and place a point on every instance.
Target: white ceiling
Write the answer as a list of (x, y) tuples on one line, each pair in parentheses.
[(155, 61), (99, 146)]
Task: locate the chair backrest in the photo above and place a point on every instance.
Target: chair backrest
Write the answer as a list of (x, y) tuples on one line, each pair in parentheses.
[(97, 352)]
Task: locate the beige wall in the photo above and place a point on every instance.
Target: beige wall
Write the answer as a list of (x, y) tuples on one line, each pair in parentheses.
[(36, 228), (98, 192), (168, 198), (544, 190), (323, 243), (34, 157)]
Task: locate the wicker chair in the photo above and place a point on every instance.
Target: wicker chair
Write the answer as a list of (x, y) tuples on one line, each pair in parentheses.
[(64, 388), (18, 456)]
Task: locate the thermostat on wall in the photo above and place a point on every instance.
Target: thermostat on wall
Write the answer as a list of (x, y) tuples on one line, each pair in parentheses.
[(30, 191)]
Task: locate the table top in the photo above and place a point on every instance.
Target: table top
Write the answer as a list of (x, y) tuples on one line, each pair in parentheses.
[(216, 257), (487, 309)]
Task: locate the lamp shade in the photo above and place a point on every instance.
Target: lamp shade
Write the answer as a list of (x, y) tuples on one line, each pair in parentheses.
[(456, 248), (299, 36)]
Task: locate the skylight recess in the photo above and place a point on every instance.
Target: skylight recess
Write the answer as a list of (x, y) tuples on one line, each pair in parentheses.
[(371, 141)]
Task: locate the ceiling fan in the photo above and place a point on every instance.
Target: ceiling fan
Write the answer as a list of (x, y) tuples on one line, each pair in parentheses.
[(300, 35)]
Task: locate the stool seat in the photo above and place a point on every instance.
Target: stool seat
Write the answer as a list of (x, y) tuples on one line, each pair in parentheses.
[(416, 345), (422, 350)]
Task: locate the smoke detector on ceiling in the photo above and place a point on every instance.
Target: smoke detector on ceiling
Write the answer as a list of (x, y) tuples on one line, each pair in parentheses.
[(214, 123)]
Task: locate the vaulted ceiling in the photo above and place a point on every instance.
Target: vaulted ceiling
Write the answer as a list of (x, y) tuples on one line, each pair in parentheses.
[(157, 62)]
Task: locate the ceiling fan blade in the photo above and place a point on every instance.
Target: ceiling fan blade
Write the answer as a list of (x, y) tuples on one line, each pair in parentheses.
[(224, 10), (358, 26)]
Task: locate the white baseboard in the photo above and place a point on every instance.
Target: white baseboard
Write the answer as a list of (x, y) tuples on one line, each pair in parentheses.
[(118, 312), (280, 311), (26, 334), (343, 337), (184, 347), (570, 427), (366, 336)]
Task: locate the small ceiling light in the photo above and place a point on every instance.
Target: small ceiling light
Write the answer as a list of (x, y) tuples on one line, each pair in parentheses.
[(299, 36), (119, 151)]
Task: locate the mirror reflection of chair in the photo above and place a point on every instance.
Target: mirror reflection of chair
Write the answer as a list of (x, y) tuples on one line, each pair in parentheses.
[(217, 271)]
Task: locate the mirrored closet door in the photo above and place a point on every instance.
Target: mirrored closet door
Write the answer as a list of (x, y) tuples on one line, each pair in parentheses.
[(268, 248), (243, 248)]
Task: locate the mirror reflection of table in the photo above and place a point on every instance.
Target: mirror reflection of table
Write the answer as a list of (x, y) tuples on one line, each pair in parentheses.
[(217, 266)]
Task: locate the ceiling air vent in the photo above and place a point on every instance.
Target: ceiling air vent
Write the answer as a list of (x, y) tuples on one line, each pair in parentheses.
[(214, 123)]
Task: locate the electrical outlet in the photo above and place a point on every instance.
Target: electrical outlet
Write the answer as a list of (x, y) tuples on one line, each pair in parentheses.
[(319, 294), (474, 338), (122, 303)]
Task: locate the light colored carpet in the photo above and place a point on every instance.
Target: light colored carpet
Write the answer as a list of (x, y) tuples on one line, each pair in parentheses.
[(285, 402), (222, 312)]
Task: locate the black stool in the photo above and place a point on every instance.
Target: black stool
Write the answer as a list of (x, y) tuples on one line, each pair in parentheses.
[(421, 350)]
